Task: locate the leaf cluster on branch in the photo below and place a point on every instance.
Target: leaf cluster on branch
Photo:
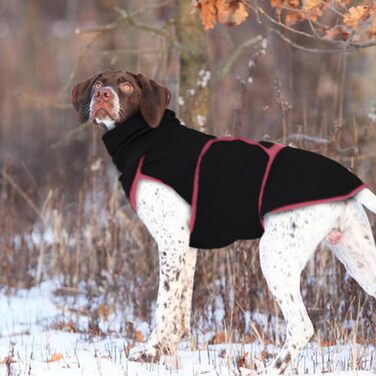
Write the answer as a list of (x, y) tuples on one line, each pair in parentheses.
[(333, 20), (228, 12), (351, 21)]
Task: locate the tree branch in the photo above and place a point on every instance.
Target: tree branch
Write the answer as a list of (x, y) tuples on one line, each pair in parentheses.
[(338, 45), (237, 53)]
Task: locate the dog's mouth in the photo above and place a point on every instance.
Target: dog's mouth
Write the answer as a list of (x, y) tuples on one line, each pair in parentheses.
[(101, 113), (103, 110), (103, 118)]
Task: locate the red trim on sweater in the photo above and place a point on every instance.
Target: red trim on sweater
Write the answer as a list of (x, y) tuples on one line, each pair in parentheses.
[(139, 175), (320, 201), (272, 152)]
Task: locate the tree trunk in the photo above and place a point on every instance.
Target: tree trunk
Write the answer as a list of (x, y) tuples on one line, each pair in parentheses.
[(194, 67)]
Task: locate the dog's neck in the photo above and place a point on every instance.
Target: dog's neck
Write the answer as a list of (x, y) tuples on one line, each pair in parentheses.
[(133, 136)]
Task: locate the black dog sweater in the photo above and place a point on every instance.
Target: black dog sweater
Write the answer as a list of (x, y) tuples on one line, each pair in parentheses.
[(230, 183)]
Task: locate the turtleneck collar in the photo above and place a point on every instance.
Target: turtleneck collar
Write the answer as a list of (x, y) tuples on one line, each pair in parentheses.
[(135, 130)]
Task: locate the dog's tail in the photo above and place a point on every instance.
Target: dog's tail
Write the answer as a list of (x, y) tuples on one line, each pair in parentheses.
[(367, 198)]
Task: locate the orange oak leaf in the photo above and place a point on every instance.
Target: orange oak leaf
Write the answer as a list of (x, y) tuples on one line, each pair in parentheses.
[(223, 10), (278, 4), (310, 5), (293, 17), (338, 32), (238, 13), (138, 336), (208, 13), (343, 3), (313, 9), (55, 357), (220, 337), (229, 12), (372, 31), (373, 28), (293, 3), (356, 15)]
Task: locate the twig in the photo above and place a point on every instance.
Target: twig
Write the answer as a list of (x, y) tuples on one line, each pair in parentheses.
[(130, 20), (76, 65), (236, 121), (124, 17), (302, 48), (237, 53), (296, 137), (345, 152), (22, 193), (43, 101), (67, 137), (101, 30), (284, 106)]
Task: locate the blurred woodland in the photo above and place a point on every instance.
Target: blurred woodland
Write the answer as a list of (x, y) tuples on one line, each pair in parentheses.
[(62, 212)]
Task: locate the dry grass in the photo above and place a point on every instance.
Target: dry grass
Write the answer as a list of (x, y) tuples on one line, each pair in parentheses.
[(95, 246)]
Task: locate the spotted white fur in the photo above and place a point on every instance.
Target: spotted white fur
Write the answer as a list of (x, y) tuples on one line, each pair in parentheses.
[(289, 240)]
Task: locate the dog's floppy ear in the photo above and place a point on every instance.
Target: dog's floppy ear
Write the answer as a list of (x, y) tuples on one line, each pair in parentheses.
[(154, 100), (81, 97)]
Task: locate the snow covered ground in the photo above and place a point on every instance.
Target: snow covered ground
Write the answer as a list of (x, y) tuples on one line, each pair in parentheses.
[(33, 342)]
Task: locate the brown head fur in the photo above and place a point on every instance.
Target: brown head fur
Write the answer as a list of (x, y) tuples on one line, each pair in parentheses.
[(119, 95)]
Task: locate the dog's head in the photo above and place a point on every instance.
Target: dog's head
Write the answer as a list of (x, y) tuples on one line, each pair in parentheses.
[(109, 98)]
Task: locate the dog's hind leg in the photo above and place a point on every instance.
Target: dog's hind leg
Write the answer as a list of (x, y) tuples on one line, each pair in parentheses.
[(289, 241), (355, 248)]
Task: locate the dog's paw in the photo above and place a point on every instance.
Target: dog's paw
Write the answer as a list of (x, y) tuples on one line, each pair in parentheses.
[(147, 355)]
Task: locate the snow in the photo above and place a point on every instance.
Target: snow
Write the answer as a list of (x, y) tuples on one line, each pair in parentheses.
[(28, 340)]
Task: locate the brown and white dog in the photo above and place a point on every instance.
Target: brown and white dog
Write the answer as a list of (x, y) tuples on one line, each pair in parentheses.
[(289, 240)]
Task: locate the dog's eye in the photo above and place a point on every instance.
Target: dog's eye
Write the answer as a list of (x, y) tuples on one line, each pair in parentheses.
[(97, 85), (126, 87)]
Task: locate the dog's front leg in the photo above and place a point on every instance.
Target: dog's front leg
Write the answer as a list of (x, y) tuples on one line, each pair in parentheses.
[(186, 297), (166, 215)]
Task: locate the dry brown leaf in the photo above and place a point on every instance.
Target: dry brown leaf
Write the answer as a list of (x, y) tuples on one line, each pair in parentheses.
[(55, 357), (220, 337), (264, 355), (105, 310), (238, 13), (8, 360), (311, 5), (208, 13), (138, 336), (343, 3), (314, 9), (229, 12), (278, 4), (293, 17), (293, 4), (223, 10), (337, 33), (373, 28), (241, 362), (356, 15), (249, 338), (372, 31)]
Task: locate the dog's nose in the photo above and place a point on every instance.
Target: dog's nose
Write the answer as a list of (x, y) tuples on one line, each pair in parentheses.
[(103, 94)]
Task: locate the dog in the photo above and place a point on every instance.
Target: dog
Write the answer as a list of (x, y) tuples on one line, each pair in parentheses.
[(289, 237)]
